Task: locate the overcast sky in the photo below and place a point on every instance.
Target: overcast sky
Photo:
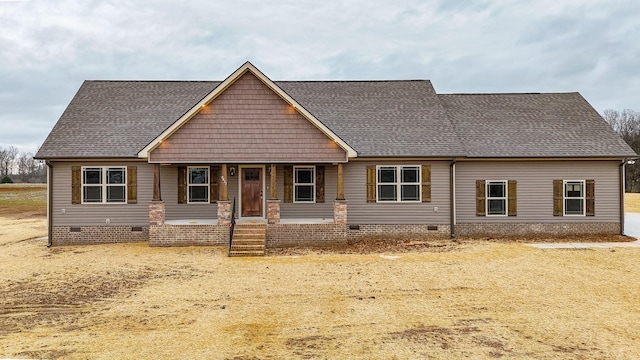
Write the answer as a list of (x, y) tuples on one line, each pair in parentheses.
[(47, 48)]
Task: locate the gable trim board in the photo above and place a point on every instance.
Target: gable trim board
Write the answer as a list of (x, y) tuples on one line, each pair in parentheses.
[(394, 123)]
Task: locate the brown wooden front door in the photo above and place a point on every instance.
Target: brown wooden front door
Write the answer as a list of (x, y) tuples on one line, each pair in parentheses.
[(251, 192)]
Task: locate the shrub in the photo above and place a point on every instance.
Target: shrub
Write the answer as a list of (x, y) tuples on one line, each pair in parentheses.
[(6, 180)]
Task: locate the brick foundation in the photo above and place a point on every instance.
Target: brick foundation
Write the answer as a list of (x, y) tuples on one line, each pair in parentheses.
[(91, 235), (523, 229), (397, 231), (288, 235), (189, 235), (323, 235), (326, 235)]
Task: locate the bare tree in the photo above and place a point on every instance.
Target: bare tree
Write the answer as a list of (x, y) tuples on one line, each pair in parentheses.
[(627, 124), (21, 166), (7, 157)]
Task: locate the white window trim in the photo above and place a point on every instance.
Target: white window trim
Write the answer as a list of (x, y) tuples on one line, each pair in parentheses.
[(399, 184), (505, 198), (313, 183), (208, 183), (104, 185), (583, 197)]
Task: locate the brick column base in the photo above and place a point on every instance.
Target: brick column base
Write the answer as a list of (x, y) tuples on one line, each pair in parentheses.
[(340, 211), (224, 212), (156, 213), (273, 211)]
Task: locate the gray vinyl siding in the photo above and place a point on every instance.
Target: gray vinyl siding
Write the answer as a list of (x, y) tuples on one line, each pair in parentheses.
[(175, 211), (535, 189), (359, 211), (96, 214), (309, 210)]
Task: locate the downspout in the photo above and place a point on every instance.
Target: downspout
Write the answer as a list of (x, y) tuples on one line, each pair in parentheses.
[(622, 191), (452, 192), (49, 202)]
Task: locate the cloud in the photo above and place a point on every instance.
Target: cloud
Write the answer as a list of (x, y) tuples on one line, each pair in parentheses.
[(47, 48)]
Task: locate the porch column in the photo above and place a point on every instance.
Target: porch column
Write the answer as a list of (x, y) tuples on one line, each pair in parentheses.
[(156, 206), (273, 204), (224, 212), (340, 204), (157, 196), (273, 193), (340, 195), (340, 212), (224, 192), (224, 205), (156, 213)]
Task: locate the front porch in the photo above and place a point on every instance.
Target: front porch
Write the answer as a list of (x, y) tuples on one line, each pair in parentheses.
[(232, 197), (250, 221)]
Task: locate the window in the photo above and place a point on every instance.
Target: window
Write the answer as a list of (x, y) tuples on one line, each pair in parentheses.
[(304, 184), (574, 197), (496, 197), (398, 183), (104, 185), (198, 185)]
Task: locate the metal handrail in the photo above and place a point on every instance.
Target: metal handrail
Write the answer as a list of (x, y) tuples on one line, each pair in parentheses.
[(232, 225)]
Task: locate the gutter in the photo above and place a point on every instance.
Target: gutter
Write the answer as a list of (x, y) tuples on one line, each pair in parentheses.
[(622, 191), (49, 202), (452, 192)]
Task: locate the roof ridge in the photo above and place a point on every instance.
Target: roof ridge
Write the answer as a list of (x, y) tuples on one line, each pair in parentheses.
[(513, 93), (156, 81), (351, 81), (276, 81)]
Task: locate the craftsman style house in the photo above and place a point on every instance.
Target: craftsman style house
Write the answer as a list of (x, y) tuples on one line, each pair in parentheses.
[(323, 162)]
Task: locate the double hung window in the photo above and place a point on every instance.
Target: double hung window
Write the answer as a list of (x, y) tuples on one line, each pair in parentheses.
[(574, 198), (198, 184), (104, 185), (496, 197), (304, 184), (398, 183)]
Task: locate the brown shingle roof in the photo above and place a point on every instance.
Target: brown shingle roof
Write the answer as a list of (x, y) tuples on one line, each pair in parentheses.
[(118, 118), (376, 118), (531, 125), (381, 118)]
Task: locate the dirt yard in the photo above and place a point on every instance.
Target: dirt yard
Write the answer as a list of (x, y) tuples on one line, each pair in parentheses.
[(441, 300)]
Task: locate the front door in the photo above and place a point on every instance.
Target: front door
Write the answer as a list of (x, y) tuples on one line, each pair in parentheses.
[(251, 192)]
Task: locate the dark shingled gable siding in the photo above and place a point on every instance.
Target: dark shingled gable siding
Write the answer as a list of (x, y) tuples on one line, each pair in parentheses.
[(248, 122)]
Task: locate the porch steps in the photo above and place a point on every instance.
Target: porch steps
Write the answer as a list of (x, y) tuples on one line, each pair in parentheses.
[(249, 240)]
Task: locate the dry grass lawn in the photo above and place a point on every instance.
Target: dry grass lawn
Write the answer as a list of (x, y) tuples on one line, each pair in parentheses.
[(472, 299), (632, 202)]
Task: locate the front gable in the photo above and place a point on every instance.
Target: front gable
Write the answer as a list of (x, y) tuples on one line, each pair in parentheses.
[(248, 119)]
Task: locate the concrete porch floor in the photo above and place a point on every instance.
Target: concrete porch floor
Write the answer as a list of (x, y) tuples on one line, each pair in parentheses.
[(248, 221)]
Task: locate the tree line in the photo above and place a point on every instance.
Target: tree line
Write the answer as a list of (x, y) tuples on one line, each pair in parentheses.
[(627, 124), (21, 167)]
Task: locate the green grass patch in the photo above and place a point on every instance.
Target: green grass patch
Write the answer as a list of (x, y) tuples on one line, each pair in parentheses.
[(17, 199)]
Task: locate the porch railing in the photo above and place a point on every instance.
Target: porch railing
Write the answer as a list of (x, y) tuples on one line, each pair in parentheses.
[(232, 225)]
